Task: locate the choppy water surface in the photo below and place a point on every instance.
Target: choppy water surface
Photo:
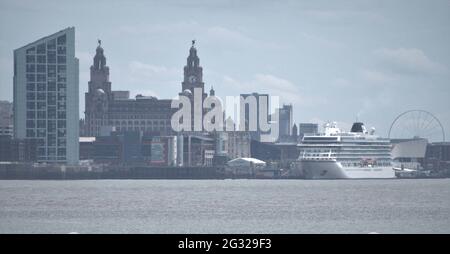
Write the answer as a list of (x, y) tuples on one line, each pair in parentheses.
[(225, 206)]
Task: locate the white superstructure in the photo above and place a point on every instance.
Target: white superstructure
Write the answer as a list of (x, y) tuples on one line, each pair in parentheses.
[(340, 155)]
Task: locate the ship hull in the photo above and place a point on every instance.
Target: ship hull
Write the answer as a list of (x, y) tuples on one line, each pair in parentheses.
[(334, 170)]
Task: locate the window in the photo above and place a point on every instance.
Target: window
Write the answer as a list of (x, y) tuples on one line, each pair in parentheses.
[(31, 77), (41, 59), (31, 87), (61, 142), (51, 152), (41, 49), (51, 112), (61, 77), (51, 57), (61, 114), (51, 125), (51, 139), (31, 68), (62, 40), (61, 87), (31, 50), (51, 45), (41, 96), (30, 96), (41, 78), (51, 99), (40, 134), (61, 59), (61, 151), (31, 115), (51, 86), (41, 123), (61, 124), (61, 133), (30, 124), (31, 59), (41, 114), (41, 68), (61, 105), (61, 69), (51, 71), (41, 87), (30, 105), (61, 50)]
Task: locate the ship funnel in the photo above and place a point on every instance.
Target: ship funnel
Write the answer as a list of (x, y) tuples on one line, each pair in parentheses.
[(358, 127)]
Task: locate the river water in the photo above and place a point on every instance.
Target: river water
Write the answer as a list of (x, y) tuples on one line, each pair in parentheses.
[(225, 206)]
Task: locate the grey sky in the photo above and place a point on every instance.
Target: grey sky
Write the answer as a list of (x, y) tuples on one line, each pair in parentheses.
[(334, 60)]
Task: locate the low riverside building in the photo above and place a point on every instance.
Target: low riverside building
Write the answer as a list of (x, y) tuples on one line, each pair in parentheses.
[(6, 118), (17, 150), (265, 151), (87, 148), (131, 148), (437, 157)]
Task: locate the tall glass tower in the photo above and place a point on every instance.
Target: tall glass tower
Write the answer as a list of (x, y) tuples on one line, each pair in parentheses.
[(46, 96)]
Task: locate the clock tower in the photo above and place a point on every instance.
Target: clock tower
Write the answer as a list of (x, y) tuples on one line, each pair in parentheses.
[(99, 95), (193, 72), (194, 88)]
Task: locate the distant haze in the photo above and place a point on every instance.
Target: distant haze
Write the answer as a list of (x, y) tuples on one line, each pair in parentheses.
[(333, 60)]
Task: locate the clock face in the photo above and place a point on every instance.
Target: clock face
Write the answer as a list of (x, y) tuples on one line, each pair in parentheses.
[(192, 79)]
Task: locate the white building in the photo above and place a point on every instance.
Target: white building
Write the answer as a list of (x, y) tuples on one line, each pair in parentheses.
[(46, 96)]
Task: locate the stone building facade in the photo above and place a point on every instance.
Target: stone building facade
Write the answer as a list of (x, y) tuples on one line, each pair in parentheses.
[(106, 109)]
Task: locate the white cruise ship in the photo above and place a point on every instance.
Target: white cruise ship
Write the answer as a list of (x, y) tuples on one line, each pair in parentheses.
[(343, 155)]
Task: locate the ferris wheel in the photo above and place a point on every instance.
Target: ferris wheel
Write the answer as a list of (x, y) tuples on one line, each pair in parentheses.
[(417, 124)]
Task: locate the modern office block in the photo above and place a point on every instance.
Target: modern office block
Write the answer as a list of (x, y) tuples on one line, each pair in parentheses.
[(46, 96)]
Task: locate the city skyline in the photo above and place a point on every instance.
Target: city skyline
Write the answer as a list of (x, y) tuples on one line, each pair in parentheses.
[(325, 71)]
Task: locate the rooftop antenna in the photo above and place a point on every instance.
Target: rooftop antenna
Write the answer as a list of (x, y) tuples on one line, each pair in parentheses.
[(193, 42), (99, 42)]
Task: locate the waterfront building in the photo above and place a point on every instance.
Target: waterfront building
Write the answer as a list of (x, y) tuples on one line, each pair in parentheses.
[(195, 149), (285, 122), (17, 150), (6, 118), (114, 109), (87, 148), (105, 107), (192, 81), (265, 151), (409, 153), (437, 157), (46, 96)]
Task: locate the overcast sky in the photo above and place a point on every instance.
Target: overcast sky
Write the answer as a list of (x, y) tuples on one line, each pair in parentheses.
[(333, 60)]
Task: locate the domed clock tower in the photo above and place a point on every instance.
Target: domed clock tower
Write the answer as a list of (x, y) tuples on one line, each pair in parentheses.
[(193, 72), (98, 96)]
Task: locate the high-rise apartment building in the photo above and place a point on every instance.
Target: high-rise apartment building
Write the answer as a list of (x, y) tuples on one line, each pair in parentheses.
[(46, 96)]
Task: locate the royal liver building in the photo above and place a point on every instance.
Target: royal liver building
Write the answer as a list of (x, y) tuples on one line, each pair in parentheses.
[(108, 110)]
